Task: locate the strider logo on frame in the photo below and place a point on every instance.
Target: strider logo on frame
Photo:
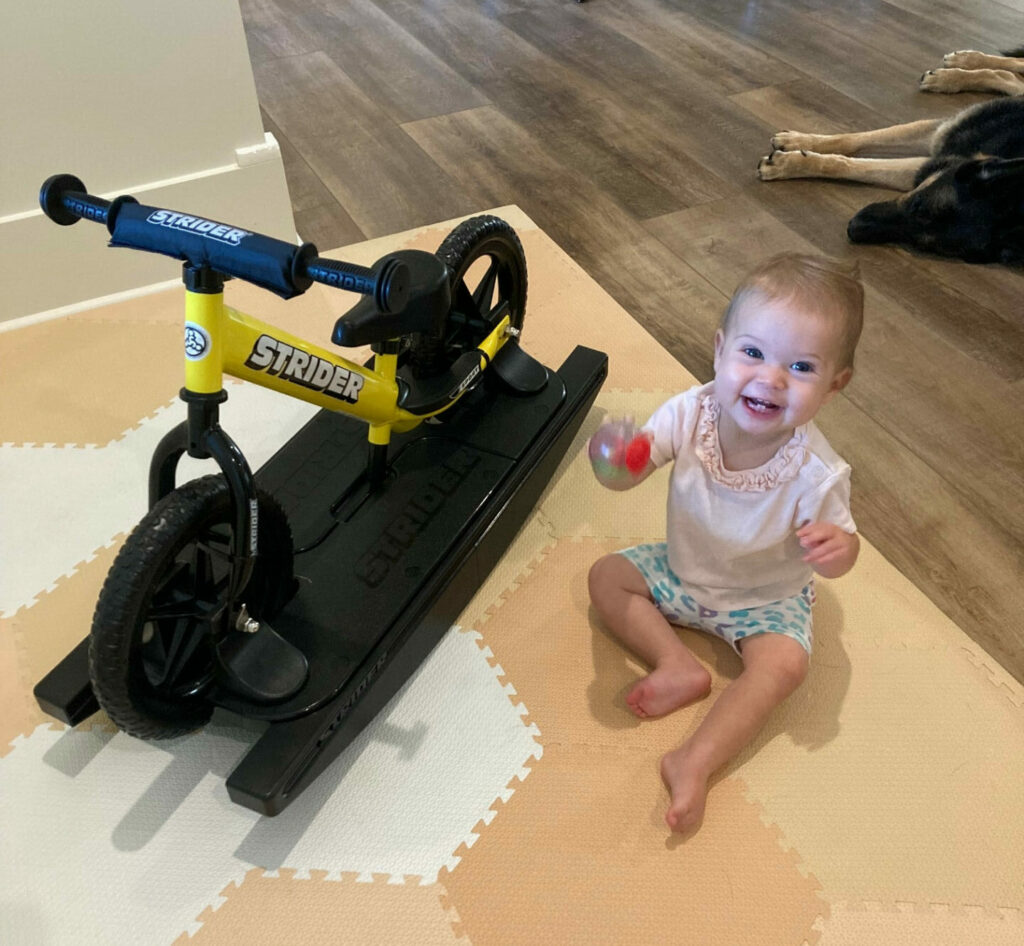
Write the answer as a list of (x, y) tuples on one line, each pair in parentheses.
[(300, 367), (210, 229), (197, 341)]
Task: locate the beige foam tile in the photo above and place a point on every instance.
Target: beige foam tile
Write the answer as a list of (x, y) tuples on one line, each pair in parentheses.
[(570, 675), (905, 783), (271, 910), (18, 712), (579, 854), (79, 381), (567, 308), (926, 924), (37, 638)]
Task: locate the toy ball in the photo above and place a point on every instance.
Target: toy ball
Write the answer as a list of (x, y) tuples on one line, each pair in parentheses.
[(618, 453)]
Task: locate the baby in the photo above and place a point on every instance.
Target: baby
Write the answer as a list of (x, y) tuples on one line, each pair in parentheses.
[(758, 503)]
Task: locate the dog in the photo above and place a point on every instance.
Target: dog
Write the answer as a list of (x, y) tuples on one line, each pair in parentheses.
[(964, 176)]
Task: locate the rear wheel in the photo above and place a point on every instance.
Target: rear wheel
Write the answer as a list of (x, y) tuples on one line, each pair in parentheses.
[(487, 270), (165, 602)]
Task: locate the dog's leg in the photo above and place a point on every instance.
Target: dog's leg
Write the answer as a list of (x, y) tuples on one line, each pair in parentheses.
[(897, 173), (972, 59), (913, 138), (1002, 81)]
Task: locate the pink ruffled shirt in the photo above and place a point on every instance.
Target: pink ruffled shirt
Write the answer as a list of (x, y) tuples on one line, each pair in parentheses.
[(732, 533)]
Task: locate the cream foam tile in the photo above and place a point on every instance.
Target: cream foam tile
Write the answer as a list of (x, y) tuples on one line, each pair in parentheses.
[(152, 822), (78, 501)]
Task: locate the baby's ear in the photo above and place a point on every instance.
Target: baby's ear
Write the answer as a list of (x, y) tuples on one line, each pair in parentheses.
[(719, 340), (842, 379)]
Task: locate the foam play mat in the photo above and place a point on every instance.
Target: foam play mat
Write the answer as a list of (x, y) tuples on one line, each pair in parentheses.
[(506, 795)]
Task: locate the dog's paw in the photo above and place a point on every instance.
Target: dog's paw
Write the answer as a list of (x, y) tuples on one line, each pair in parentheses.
[(779, 165), (942, 80), (965, 59), (801, 141), (788, 140)]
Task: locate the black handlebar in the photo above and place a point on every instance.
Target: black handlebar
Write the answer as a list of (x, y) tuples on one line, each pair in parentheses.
[(281, 267)]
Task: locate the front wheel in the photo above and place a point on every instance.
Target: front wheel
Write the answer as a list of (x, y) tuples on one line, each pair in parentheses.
[(487, 273), (165, 601)]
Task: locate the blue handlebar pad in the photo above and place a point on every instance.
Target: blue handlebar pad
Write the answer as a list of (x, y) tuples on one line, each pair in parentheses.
[(258, 259)]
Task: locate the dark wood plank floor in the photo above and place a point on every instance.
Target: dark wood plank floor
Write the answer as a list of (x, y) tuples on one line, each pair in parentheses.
[(629, 130)]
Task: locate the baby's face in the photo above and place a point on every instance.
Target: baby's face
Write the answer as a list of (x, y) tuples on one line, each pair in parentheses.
[(777, 366)]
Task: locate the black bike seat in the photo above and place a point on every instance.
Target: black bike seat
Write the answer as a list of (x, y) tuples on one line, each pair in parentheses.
[(429, 300)]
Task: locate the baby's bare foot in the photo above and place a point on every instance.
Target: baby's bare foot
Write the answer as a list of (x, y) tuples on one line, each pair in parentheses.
[(667, 688), (688, 789)]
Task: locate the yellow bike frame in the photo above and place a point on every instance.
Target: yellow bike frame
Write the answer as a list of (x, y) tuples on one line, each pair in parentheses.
[(219, 340)]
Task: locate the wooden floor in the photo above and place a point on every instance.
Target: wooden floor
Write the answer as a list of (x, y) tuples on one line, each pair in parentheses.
[(630, 130)]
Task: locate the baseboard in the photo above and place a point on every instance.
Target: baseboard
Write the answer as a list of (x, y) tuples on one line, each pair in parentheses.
[(49, 268)]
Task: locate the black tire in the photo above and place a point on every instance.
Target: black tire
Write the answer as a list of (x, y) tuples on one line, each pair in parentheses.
[(478, 292), (154, 609)]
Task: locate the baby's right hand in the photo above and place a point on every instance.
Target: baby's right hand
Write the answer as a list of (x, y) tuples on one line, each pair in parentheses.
[(619, 454)]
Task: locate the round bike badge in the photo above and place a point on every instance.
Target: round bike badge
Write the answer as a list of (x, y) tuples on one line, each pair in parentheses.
[(197, 341)]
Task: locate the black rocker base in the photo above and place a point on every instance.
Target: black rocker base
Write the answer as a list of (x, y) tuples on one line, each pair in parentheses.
[(381, 576)]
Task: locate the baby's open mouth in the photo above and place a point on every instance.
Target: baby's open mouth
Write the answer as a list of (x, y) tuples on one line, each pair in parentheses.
[(759, 406)]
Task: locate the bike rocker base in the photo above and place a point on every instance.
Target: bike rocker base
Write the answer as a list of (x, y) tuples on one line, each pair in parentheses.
[(382, 574)]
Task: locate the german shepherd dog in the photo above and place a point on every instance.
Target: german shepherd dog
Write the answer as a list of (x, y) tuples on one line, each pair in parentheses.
[(964, 176)]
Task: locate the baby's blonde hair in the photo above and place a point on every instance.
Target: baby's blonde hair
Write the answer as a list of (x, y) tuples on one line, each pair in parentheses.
[(819, 283)]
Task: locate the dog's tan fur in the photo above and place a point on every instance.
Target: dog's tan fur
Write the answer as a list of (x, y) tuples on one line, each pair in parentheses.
[(967, 70), (899, 151)]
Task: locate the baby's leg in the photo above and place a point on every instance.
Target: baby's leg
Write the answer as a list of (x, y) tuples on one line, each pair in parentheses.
[(773, 667), (623, 600)]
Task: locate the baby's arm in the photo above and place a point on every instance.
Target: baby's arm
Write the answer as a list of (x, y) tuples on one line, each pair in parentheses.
[(831, 552)]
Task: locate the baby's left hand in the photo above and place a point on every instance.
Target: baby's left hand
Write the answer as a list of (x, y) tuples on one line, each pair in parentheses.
[(830, 550)]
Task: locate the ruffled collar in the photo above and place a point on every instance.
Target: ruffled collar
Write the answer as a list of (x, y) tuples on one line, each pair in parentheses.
[(782, 467)]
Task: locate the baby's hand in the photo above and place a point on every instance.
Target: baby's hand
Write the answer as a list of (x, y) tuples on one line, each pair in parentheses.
[(831, 552), (620, 454)]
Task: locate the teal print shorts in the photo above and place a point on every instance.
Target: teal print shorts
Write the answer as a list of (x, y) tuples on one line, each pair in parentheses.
[(790, 617)]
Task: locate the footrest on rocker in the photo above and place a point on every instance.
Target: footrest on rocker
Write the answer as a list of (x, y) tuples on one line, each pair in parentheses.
[(261, 665), (521, 372)]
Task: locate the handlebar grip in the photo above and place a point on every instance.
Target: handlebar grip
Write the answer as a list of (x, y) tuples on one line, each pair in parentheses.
[(64, 200), (387, 281)]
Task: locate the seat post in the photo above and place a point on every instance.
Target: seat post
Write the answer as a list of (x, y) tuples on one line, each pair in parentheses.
[(385, 363)]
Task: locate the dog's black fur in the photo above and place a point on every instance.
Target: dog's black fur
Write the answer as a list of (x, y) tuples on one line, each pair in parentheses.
[(968, 198)]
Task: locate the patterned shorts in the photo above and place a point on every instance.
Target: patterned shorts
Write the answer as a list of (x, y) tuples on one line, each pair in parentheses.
[(790, 617)]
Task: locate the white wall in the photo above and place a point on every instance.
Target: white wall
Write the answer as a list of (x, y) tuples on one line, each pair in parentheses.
[(154, 98)]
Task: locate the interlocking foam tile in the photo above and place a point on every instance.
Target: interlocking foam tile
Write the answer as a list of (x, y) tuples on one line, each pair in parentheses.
[(507, 794), (64, 504), (909, 924), (90, 811), (570, 675), (532, 543), (579, 855), (78, 381), (267, 911), (37, 638)]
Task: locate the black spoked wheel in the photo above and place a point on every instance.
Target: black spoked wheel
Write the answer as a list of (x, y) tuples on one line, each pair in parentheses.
[(151, 649), (488, 279)]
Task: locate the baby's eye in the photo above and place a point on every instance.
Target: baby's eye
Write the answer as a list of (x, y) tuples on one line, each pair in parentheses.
[(752, 352), (802, 366)]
